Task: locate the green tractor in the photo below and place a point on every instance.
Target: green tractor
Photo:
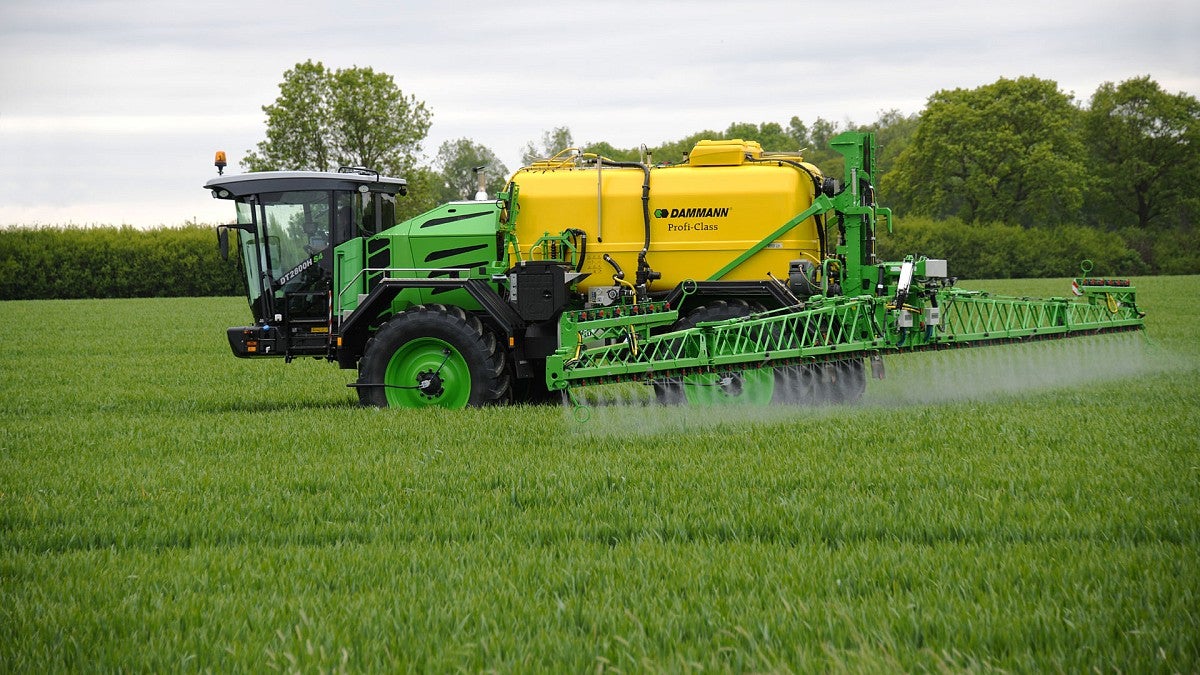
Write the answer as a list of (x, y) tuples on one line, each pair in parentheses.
[(739, 276)]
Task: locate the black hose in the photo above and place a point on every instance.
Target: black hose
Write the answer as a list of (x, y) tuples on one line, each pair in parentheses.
[(821, 235), (644, 273), (620, 273), (815, 181), (582, 246)]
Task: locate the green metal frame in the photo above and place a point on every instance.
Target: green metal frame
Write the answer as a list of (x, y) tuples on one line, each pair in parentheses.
[(835, 327), (621, 348), (560, 247)]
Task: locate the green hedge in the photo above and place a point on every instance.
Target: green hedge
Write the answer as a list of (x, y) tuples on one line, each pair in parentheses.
[(124, 262), (998, 251), (113, 262)]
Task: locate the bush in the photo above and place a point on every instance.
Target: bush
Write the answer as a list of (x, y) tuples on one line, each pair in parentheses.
[(125, 262), (1001, 251), (113, 262), (1166, 251)]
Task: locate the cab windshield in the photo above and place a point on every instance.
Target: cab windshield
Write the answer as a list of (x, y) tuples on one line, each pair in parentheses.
[(287, 234)]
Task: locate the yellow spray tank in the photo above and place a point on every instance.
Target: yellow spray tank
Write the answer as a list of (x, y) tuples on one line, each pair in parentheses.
[(703, 214)]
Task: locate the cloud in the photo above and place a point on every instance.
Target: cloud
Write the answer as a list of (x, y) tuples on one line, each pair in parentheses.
[(107, 100), (125, 124)]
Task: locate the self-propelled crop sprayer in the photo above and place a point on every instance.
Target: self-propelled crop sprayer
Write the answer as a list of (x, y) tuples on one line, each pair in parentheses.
[(737, 275)]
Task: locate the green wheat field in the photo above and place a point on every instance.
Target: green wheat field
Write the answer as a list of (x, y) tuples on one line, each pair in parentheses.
[(165, 507)]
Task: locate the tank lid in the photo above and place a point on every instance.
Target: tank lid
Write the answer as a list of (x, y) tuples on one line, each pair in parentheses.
[(723, 153)]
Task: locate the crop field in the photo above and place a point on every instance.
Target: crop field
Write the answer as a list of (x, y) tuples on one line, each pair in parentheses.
[(165, 507)]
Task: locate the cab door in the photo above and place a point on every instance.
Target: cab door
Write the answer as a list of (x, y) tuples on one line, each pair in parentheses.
[(296, 230)]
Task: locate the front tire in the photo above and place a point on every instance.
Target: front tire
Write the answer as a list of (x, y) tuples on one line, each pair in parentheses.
[(433, 355)]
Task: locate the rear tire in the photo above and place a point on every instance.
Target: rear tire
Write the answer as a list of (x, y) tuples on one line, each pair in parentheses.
[(433, 355), (750, 385)]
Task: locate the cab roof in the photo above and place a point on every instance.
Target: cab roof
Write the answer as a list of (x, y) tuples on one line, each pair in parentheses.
[(240, 185)]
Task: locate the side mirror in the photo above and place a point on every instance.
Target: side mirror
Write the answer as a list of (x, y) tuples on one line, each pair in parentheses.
[(223, 236), (223, 241)]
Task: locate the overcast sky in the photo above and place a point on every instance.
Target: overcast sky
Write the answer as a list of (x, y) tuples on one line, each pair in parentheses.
[(110, 111)]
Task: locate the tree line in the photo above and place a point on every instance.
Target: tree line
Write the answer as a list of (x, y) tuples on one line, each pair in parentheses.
[(1010, 179), (1018, 152)]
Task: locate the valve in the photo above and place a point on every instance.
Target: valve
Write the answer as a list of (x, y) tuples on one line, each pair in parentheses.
[(830, 187)]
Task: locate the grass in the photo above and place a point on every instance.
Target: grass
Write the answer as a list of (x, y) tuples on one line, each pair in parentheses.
[(165, 507)]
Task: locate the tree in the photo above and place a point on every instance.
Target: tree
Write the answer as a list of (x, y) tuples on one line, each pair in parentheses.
[(297, 128), (348, 117), (608, 151), (822, 131), (373, 123), (1004, 152), (1145, 149), (676, 152), (553, 142), (816, 145), (771, 135), (893, 133), (426, 190), (456, 161), (798, 131)]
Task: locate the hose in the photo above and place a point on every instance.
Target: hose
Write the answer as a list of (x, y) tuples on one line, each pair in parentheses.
[(631, 287), (821, 235), (775, 160), (578, 351), (582, 246), (619, 276), (644, 273)]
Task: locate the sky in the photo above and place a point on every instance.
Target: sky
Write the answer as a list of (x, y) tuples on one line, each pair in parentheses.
[(110, 112)]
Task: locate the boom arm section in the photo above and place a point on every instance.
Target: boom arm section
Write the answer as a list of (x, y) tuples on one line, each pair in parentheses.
[(612, 349)]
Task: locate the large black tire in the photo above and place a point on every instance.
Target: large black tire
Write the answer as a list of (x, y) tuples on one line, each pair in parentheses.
[(433, 355), (821, 382), (674, 391)]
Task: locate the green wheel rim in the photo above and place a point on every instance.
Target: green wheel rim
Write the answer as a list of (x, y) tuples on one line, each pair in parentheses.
[(433, 362), (753, 386)]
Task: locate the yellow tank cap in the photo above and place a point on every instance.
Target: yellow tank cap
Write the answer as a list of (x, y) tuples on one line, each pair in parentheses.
[(723, 153)]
